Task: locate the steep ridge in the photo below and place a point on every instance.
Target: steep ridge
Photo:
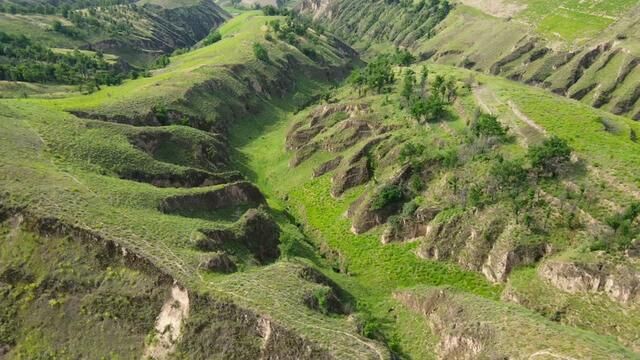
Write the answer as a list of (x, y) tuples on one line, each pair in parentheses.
[(365, 23), (601, 71), (160, 30)]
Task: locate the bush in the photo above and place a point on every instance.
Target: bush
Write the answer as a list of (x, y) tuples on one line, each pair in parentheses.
[(389, 194), (290, 241), (377, 75), (432, 109), (260, 52), (550, 156), (212, 38), (489, 126), (610, 126), (509, 174)]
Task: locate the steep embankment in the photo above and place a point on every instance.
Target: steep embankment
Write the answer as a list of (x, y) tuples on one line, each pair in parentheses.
[(586, 52), (164, 196)]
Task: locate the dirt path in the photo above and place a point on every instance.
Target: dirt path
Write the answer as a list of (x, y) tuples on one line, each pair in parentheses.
[(527, 131), (169, 325)]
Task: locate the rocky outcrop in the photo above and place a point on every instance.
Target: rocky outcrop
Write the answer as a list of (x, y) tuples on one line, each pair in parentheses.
[(207, 152), (357, 169), (349, 130), (219, 262), (188, 178), (327, 166), (260, 234), (620, 283), (412, 228), (458, 338), (240, 193), (483, 241), (231, 332), (348, 133), (507, 253), (256, 231)]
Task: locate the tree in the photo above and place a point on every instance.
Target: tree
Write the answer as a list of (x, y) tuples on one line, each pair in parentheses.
[(260, 52), (489, 126), (213, 37), (389, 194), (57, 26), (379, 74), (403, 58), (549, 157), (431, 109), (408, 84), (358, 80), (424, 78), (508, 174)]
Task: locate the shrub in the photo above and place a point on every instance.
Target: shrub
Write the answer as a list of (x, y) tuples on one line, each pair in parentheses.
[(389, 194), (260, 52), (290, 241), (212, 38), (431, 109), (403, 58), (509, 174), (489, 126), (610, 126), (550, 156)]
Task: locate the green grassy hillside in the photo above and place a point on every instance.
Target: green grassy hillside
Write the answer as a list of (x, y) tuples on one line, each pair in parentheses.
[(138, 187), (266, 194), (584, 50), (468, 233)]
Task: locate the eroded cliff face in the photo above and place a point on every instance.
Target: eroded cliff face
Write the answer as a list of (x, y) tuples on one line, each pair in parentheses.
[(621, 283)]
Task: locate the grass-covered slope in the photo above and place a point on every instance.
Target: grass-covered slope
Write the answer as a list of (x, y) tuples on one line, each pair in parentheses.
[(395, 203), (209, 87), (165, 197), (367, 23), (584, 50)]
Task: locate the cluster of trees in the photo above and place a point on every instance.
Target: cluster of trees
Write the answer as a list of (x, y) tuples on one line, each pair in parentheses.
[(291, 28), (427, 102), (213, 37), (260, 52), (377, 76), (23, 60)]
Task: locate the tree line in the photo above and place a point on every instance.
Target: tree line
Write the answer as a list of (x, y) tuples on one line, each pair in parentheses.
[(21, 59)]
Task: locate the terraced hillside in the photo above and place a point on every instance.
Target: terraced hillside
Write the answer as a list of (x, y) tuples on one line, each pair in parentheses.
[(586, 50)]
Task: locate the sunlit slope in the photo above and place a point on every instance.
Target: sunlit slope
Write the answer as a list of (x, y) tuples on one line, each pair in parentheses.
[(157, 191)]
